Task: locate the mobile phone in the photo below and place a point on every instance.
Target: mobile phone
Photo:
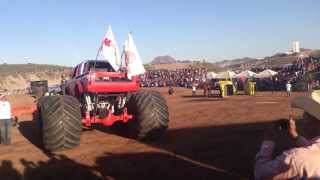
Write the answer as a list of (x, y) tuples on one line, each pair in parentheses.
[(282, 124)]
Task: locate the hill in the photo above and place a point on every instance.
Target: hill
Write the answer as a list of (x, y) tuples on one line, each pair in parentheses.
[(185, 64), (277, 60), (168, 66), (18, 76), (228, 63), (163, 60)]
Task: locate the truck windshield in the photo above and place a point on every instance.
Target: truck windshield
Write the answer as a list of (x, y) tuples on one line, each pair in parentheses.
[(100, 66)]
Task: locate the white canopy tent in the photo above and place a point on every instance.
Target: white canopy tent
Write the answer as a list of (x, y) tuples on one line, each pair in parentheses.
[(268, 73), (225, 75), (211, 75), (245, 74)]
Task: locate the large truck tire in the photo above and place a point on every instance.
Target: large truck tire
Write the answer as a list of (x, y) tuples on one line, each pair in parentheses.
[(151, 116), (60, 122)]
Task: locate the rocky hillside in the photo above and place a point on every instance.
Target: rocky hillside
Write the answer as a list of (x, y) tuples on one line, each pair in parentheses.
[(277, 60), (18, 76), (228, 63), (163, 60)]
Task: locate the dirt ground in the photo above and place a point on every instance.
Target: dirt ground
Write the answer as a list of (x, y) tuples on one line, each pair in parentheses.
[(208, 138)]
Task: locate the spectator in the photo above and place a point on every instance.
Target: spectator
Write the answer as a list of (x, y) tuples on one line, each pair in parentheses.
[(194, 89), (301, 162), (288, 87), (205, 89), (170, 91)]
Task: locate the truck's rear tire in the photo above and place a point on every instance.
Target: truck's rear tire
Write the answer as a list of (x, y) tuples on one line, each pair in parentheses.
[(60, 118), (151, 116)]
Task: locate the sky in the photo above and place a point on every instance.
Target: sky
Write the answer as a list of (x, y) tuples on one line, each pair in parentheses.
[(65, 32)]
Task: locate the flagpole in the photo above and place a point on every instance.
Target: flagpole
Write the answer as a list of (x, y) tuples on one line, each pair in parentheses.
[(98, 52), (123, 52), (126, 61)]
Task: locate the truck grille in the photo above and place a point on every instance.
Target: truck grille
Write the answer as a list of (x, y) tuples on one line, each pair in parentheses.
[(112, 79)]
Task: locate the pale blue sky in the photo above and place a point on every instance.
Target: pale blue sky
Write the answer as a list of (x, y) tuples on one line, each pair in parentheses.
[(68, 31)]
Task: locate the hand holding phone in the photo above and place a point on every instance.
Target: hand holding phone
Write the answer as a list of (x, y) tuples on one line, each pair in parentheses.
[(292, 128)]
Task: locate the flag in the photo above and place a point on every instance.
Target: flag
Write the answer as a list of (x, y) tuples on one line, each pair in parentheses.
[(132, 58), (110, 50)]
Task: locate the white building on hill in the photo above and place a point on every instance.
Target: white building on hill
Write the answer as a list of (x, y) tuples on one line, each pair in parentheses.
[(296, 47)]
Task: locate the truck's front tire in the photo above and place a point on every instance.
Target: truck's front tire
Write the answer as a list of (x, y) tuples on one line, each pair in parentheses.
[(151, 116), (60, 118)]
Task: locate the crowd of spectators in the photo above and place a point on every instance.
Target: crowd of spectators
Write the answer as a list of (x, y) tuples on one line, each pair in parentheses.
[(177, 78), (189, 76), (290, 73)]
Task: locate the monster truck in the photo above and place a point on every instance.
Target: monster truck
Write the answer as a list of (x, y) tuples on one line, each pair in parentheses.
[(97, 94)]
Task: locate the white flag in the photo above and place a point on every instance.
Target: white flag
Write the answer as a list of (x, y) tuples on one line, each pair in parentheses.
[(132, 58), (110, 49)]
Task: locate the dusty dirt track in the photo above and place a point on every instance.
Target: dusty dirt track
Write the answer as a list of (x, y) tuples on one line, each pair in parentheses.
[(208, 138)]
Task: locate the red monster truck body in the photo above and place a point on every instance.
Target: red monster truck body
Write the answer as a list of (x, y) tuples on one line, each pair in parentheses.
[(96, 94), (103, 93)]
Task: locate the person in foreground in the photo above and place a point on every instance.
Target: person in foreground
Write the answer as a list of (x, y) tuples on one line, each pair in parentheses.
[(302, 161)]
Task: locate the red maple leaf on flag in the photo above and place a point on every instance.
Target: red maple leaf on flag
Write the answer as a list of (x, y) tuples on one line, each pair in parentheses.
[(107, 42)]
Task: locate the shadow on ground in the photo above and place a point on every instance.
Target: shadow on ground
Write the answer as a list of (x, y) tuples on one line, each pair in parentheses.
[(231, 148), (155, 165), (215, 152), (29, 129), (57, 168)]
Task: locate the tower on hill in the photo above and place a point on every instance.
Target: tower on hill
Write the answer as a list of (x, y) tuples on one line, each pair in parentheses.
[(296, 47)]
